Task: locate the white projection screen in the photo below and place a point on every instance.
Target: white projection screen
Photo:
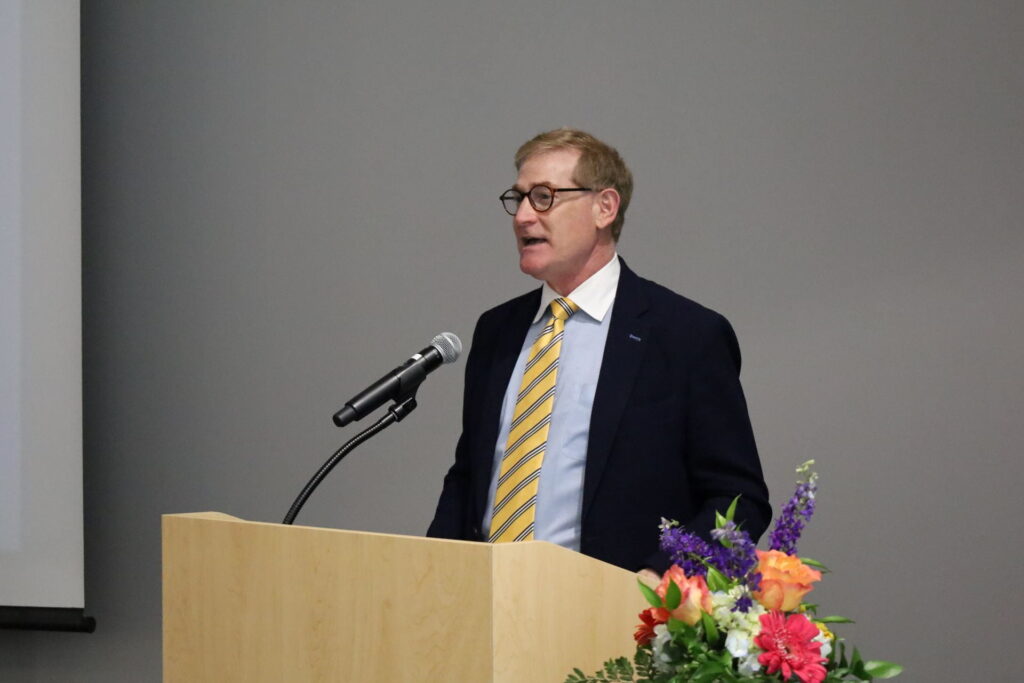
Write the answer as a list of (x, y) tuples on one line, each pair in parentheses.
[(41, 525)]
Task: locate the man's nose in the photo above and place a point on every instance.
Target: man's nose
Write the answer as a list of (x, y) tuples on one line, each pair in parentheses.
[(525, 214)]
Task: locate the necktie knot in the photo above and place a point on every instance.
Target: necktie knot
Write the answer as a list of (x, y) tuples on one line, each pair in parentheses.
[(563, 308)]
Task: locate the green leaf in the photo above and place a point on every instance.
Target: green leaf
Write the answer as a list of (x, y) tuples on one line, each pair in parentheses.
[(687, 637), (709, 628), (720, 520), (619, 669), (731, 512), (652, 598), (675, 626), (614, 671), (814, 563), (707, 673), (642, 659), (672, 595), (834, 619), (716, 580), (857, 666), (880, 669), (859, 672)]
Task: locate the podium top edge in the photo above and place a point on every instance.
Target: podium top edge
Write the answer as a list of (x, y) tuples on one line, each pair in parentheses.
[(555, 554), (223, 517), (211, 515)]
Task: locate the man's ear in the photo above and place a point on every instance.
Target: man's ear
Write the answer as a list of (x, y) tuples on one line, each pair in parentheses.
[(606, 208)]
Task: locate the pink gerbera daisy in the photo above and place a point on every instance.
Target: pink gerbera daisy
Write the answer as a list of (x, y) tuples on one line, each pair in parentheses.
[(789, 646)]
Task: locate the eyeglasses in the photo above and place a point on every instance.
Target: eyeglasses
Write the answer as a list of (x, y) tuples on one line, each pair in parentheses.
[(541, 197)]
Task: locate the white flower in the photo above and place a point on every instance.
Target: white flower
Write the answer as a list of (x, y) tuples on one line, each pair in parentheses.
[(826, 644), (662, 660), (738, 643), (749, 665), (726, 619)]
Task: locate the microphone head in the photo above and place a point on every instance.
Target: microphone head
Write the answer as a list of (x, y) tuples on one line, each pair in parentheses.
[(448, 345)]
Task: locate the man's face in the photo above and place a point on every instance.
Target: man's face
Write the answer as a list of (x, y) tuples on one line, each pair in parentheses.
[(560, 244)]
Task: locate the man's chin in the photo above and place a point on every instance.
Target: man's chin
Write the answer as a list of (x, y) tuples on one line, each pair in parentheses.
[(531, 267)]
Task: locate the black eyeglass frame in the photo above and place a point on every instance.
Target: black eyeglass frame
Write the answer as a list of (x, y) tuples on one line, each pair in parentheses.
[(529, 195)]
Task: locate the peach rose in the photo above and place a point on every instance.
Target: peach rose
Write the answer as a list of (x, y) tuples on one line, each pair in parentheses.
[(695, 597), (785, 580)]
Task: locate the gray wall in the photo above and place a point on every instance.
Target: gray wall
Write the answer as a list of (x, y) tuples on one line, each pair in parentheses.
[(284, 199)]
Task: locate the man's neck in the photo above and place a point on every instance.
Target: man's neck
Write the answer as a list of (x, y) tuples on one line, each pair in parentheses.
[(598, 260)]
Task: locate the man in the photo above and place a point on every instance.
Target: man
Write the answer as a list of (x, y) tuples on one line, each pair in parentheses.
[(601, 402)]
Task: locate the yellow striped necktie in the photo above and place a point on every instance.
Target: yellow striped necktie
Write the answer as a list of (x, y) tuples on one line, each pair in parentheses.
[(516, 496)]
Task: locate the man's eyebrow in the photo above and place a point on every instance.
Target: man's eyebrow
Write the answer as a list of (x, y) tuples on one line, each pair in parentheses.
[(545, 183)]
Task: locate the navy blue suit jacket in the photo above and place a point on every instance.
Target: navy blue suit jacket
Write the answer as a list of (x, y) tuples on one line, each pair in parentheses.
[(669, 431)]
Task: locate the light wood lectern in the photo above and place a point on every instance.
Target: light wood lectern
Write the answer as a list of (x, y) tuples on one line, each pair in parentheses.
[(247, 601)]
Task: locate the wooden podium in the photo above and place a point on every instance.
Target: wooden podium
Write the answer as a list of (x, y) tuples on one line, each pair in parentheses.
[(248, 601)]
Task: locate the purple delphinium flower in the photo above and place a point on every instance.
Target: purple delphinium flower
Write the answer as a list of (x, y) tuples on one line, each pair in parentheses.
[(796, 513), (743, 603), (685, 549), (736, 557), (734, 554)]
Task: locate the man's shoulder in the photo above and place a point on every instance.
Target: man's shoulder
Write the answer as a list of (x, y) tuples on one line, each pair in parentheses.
[(666, 302), (686, 324)]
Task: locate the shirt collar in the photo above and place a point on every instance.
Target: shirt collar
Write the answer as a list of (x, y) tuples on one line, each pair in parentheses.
[(594, 296)]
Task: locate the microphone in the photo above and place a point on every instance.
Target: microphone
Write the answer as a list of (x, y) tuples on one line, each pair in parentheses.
[(403, 381)]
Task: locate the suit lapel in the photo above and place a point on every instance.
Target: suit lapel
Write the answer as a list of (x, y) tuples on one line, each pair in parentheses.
[(508, 343), (623, 352)]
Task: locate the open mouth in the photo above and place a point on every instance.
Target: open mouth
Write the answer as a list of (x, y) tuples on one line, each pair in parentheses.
[(530, 241)]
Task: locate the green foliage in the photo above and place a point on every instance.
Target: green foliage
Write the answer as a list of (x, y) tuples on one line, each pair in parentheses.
[(721, 520), (649, 594), (731, 512), (700, 660), (716, 580), (709, 629), (615, 670), (817, 565), (834, 619), (673, 596), (880, 669), (840, 668)]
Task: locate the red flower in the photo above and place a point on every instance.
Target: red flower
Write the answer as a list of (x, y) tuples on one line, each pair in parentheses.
[(650, 617), (789, 645)]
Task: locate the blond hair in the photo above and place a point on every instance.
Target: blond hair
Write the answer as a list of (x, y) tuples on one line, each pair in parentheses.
[(599, 167)]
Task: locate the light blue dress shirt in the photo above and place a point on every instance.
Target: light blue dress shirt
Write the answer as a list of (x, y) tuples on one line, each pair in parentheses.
[(560, 491)]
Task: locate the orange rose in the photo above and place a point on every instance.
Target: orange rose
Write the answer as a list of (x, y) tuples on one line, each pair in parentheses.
[(785, 580), (695, 597)]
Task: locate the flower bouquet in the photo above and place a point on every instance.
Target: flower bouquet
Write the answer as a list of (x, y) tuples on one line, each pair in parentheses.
[(727, 612)]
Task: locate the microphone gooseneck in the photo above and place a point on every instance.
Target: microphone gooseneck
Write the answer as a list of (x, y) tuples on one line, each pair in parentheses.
[(399, 385)]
